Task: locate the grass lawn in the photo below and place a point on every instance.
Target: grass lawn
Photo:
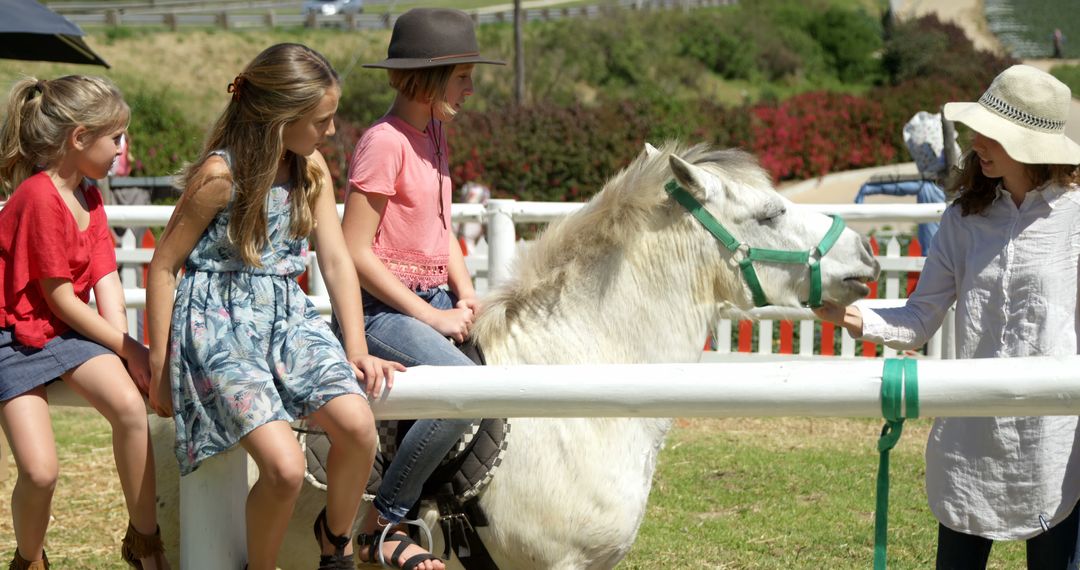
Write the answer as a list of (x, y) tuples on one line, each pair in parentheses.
[(1039, 18), (729, 494)]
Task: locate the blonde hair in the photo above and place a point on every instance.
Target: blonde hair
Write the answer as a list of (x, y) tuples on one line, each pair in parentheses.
[(41, 114), (281, 85), (427, 85)]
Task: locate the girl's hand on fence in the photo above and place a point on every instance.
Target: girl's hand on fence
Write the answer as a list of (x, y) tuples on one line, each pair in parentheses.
[(453, 323), (374, 372), (137, 359)]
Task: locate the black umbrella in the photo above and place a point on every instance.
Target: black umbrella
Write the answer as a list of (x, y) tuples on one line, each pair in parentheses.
[(29, 30)]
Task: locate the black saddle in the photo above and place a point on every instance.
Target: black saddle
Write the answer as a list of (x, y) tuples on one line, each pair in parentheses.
[(453, 486)]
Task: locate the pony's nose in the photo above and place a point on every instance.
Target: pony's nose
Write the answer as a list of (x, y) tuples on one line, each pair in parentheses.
[(868, 257)]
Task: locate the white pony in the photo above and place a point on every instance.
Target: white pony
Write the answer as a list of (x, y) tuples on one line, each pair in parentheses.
[(632, 277)]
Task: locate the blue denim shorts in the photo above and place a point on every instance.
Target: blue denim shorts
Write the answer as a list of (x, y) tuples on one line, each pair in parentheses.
[(23, 368)]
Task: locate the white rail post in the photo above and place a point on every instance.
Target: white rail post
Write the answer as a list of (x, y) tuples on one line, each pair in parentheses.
[(892, 285), (316, 284), (129, 277), (501, 238), (212, 523), (806, 338)]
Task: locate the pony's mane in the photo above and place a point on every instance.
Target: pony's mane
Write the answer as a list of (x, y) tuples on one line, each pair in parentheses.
[(622, 210)]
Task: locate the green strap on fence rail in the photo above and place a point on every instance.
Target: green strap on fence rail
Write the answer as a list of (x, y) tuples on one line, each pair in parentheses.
[(899, 390)]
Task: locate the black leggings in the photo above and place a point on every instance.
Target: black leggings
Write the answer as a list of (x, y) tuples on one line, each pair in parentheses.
[(1055, 549)]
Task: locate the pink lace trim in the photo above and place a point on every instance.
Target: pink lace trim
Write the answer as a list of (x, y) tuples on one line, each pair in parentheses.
[(415, 270)]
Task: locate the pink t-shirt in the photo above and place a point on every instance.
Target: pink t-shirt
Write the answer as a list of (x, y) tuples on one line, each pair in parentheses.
[(412, 168)]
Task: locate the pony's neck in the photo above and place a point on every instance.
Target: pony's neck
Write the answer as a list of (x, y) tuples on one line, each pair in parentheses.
[(649, 304)]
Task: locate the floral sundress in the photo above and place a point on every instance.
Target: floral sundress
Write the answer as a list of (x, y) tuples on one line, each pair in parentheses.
[(247, 347)]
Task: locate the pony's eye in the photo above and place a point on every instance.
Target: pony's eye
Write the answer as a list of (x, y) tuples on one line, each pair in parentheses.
[(772, 214)]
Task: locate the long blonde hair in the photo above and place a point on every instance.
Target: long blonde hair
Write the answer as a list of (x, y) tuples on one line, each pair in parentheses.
[(41, 114), (281, 85)]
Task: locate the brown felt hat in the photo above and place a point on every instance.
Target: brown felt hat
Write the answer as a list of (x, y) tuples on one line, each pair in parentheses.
[(432, 37)]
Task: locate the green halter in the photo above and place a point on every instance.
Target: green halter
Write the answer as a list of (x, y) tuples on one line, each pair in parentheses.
[(752, 254)]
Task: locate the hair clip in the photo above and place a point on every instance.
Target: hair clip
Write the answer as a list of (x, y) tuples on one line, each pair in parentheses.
[(39, 88), (235, 86)]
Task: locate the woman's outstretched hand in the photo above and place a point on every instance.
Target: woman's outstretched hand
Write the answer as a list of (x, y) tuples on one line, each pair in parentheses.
[(848, 317)]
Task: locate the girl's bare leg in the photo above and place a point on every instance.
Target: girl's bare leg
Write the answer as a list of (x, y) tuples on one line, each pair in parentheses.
[(104, 382), (351, 428), (25, 419), (271, 500)]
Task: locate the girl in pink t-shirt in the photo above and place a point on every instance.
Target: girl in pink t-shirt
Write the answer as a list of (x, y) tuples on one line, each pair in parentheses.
[(55, 247), (397, 224)]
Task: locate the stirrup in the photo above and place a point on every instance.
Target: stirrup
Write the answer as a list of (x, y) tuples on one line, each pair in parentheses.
[(375, 542), (20, 563)]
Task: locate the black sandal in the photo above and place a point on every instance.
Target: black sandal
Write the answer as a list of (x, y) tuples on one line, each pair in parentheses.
[(375, 541), (338, 560)]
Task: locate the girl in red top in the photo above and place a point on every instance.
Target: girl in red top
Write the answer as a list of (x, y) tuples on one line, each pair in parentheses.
[(55, 247)]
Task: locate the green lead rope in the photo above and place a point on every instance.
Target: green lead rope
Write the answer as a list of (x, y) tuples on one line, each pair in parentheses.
[(899, 390)]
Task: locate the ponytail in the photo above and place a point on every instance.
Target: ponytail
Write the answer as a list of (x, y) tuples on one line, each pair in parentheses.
[(15, 165), (41, 116)]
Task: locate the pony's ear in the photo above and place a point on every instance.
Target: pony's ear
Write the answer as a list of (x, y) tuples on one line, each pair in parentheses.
[(650, 151), (690, 177)]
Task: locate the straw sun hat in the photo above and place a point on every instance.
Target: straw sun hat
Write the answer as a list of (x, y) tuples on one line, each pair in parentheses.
[(1025, 110), (432, 37)]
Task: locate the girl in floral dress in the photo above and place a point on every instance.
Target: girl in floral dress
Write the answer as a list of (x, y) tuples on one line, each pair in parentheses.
[(247, 352)]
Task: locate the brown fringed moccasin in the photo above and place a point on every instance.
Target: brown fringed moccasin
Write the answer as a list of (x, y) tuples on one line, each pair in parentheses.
[(137, 545), (20, 563)]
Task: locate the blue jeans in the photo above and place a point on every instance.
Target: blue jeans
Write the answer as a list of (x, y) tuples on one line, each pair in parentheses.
[(1055, 549), (395, 336)]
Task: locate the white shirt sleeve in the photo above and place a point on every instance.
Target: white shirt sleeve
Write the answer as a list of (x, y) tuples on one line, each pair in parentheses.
[(912, 325)]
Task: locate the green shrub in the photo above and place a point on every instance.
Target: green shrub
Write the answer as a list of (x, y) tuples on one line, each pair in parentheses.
[(927, 47), (162, 138), (851, 39), (1069, 75)]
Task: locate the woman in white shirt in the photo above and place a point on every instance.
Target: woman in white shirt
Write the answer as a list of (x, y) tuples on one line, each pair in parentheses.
[(1007, 254)]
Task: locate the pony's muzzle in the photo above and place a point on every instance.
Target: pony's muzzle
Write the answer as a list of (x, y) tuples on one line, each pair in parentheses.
[(869, 259)]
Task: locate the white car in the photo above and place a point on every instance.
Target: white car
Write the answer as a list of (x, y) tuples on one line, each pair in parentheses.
[(333, 7)]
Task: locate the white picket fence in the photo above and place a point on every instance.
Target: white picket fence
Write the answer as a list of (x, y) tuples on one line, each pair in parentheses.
[(490, 263)]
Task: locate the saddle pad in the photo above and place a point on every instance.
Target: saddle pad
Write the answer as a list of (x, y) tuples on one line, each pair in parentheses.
[(467, 468)]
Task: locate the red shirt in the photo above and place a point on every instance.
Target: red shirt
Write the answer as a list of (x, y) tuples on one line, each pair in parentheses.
[(40, 239)]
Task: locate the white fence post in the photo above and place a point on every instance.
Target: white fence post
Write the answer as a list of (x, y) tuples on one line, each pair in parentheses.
[(316, 284), (129, 277), (501, 238), (892, 286), (806, 338), (764, 338), (722, 338), (213, 531)]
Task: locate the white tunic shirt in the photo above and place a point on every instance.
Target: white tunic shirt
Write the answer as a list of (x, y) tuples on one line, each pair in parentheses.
[(1012, 273)]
